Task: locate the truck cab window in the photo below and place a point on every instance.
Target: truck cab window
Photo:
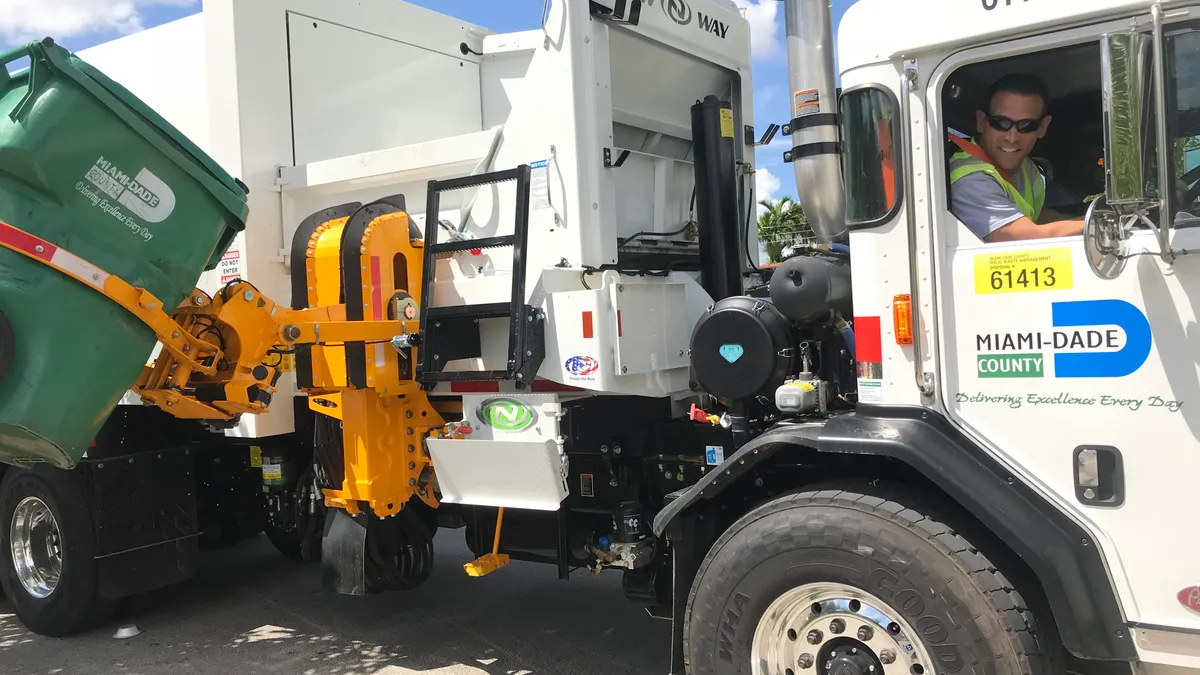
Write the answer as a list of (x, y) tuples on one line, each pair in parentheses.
[(868, 118), (1183, 122), (1067, 158)]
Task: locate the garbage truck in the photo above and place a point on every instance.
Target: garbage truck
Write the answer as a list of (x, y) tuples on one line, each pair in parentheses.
[(506, 284)]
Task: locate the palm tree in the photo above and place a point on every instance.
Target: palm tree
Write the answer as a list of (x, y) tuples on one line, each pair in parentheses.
[(782, 225)]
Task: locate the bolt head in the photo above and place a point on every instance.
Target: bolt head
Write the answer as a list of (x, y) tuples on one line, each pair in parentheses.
[(248, 296), (805, 661), (837, 626), (814, 637), (887, 656), (865, 633)]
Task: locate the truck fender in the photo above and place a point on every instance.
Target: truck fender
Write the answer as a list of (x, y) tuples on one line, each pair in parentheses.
[(1061, 554)]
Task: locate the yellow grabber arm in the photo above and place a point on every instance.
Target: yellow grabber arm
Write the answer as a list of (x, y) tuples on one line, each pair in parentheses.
[(216, 349)]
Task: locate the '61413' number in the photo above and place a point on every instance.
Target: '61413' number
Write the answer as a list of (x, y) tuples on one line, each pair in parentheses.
[(1025, 278), (989, 5)]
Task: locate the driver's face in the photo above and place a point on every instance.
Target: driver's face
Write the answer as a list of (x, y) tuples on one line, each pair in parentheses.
[(1008, 148)]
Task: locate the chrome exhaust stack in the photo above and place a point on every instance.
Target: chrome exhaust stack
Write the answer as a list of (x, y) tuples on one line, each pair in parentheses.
[(816, 151)]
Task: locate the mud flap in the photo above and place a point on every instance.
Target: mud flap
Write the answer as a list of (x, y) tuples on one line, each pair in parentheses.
[(691, 536), (343, 553)]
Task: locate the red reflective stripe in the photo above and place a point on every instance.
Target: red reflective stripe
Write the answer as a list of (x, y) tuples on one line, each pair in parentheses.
[(376, 291), (588, 332), (868, 339), (619, 331), (474, 387), (539, 385), (23, 241), (543, 386)]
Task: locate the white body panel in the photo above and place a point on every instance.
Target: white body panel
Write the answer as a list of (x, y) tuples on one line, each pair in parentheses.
[(313, 104), (522, 469), (881, 30), (998, 372)]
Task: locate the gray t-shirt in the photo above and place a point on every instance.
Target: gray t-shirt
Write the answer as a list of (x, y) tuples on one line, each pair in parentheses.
[(982, 205)]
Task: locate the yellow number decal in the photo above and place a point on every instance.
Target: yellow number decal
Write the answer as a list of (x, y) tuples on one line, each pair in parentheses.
[(1024, 271)]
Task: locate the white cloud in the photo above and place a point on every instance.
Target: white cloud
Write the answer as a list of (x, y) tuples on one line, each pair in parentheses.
[(763, 16), (25, 20), (766, 184)]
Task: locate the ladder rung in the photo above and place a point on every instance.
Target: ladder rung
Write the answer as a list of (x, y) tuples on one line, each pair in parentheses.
[(469, 244), (492, 310), (474, 181)]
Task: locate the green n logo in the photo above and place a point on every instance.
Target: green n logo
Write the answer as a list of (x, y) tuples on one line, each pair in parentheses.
[(506, 414)]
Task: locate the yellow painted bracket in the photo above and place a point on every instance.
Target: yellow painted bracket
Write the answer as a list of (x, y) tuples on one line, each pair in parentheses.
[(489, 562)]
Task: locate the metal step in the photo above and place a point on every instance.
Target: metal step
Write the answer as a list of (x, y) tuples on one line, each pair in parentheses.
[(452, 333)]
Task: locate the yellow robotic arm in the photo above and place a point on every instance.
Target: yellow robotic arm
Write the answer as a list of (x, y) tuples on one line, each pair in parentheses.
[(221, 354)]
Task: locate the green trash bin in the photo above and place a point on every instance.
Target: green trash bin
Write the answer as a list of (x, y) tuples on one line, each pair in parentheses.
[(89, 168)]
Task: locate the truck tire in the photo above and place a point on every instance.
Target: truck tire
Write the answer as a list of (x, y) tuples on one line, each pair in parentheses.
[(833, 581), (47, 552)]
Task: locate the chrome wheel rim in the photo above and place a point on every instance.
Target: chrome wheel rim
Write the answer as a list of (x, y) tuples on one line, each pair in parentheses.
[(36, 547), (834, 629)]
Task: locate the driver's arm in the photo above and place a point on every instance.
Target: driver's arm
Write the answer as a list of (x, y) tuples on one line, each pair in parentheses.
[(987, 210), (1024, 228), (1050, 216)]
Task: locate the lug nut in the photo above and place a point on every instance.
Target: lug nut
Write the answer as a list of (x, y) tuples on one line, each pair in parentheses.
[(805, 661), (887, 656), (814, 637), (865, 633), (837, 626)]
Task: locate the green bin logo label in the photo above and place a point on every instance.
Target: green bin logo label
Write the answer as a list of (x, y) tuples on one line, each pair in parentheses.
[(506, 414), (145, 196)]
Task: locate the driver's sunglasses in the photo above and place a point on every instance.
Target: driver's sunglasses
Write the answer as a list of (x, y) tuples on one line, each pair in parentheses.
[(1002, 123)]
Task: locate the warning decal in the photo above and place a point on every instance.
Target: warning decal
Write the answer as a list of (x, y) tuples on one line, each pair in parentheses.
[(807, 102), (231, 264)]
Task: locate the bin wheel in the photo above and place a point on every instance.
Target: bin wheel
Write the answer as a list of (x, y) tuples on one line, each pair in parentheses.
[(7, 346), (47, 552)]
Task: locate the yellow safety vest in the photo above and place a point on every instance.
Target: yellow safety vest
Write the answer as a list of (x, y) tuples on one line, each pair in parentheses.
[(1029, 201)]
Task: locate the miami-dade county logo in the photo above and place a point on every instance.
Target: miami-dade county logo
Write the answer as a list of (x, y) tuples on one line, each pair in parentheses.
[(506, 414), (145, 194), (1091, 338)]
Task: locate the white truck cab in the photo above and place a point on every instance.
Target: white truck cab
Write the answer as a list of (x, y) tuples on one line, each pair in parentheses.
[(1069, 362)]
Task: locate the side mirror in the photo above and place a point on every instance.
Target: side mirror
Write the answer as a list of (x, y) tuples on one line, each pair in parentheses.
[(1126, 78), (1133, 73)]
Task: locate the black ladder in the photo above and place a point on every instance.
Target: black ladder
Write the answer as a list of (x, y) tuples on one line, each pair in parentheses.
[(452, 333)]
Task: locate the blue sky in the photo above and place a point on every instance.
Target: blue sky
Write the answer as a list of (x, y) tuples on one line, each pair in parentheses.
[(79, 24)]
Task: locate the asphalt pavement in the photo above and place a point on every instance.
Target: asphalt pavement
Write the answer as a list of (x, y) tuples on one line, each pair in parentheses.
[(252, 611)]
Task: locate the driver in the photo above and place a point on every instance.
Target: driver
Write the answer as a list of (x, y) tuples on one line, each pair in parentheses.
[(995, 189)]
